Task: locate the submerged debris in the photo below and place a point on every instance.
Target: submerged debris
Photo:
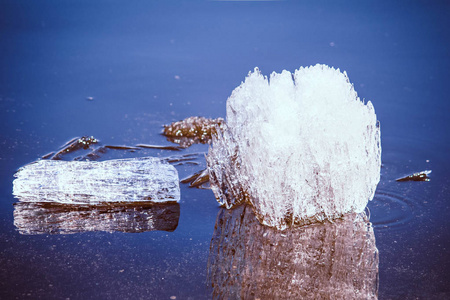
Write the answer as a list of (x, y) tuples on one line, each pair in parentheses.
[(419, 176), (159, 147), (87, 142), (198, 180), (93, 155), (48, 155), (185, 159), (121, 147), (98, 152), (73, 145), (192, 130)]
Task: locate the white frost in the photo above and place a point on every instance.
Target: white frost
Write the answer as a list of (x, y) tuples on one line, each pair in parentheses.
[(121, 180), (297, 146)]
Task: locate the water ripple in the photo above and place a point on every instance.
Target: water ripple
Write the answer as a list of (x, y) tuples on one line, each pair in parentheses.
[(392, 209)]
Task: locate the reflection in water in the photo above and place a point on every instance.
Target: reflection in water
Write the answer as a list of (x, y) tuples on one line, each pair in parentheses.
[(321, 261), (54, 218)]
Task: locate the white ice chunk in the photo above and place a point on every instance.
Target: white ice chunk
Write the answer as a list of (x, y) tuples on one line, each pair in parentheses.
[(297, 146), (121, 180)]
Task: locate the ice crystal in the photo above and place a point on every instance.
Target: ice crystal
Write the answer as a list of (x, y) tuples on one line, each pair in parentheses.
[(296, 146)]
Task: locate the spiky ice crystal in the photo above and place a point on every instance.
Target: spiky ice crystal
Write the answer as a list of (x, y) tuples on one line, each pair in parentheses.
[(299, 147), (120, 180)]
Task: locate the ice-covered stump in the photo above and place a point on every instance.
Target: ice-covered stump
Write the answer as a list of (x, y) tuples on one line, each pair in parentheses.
[(298, 147), (121, 180)]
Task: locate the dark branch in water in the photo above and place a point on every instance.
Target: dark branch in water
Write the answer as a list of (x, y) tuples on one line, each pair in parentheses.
[(201, 180), (192, 130), (174, 148), (87, 142), (48, 155), (182, 158), (419, 176), (71, 142), (94, 154), (73, 145), (198, 180), (191, 178), (183, 163), (121, 147)]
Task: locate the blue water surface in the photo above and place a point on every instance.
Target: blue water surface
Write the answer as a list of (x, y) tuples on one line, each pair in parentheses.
[(148, 63)]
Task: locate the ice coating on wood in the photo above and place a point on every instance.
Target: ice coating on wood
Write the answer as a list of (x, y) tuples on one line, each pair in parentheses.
[(298, 147), (121, 180)]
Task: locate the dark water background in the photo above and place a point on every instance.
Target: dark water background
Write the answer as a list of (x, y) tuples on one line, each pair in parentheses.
[(147, 63)]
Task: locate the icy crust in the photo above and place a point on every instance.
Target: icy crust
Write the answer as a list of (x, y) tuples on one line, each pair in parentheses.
[(298, 147), (74, 182)]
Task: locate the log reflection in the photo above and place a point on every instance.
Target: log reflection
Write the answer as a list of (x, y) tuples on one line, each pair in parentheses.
[(54, 218), (321, 261)]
